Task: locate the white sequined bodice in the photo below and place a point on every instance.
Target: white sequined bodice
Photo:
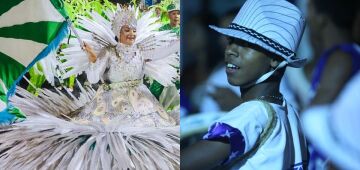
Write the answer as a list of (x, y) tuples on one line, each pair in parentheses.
[(124, 64)]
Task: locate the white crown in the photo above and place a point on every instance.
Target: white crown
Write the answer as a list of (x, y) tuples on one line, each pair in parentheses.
[(124, 16), (275, 25)]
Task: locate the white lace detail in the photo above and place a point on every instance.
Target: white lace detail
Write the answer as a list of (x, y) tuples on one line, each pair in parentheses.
[(126, 64)]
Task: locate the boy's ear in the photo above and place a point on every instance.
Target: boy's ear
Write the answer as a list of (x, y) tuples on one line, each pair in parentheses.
[(274, 63), (323, 20)]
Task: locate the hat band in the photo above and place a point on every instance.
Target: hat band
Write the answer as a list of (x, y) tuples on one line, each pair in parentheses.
[(263, 38)]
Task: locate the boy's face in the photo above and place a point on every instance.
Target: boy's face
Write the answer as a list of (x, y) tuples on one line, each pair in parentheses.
[(244, 65), (174, 18)]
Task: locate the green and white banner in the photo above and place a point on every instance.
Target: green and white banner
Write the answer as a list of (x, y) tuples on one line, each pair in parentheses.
[(29, 31)]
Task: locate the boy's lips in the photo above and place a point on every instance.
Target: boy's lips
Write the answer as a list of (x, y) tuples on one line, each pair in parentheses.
[(231, 68)]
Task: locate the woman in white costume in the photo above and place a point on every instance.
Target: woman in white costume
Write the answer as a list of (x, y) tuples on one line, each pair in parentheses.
[(121, 125)]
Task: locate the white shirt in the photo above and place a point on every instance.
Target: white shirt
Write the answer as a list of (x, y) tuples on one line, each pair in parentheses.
[(284, 148)]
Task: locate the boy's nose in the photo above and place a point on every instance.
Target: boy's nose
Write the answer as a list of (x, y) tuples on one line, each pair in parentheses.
[(230, 54)]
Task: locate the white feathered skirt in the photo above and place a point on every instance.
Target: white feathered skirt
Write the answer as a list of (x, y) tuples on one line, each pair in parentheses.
[(48, 139)]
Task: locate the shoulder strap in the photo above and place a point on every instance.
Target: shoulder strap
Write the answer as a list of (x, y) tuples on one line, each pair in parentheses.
[(260, 141)]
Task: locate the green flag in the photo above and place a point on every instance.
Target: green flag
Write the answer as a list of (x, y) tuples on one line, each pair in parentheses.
[(29, 31)]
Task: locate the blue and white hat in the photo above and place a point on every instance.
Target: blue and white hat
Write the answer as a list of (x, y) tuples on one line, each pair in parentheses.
[(274, 25)]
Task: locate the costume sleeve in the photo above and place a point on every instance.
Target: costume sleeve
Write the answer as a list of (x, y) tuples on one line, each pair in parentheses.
[(96, 70), (164, 71), (240, 128)]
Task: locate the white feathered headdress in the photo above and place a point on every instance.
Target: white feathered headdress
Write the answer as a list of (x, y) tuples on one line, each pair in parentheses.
[(124, 16)]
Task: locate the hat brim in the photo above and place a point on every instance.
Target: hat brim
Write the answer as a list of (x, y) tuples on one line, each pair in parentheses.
[(317, 130), (173, 10), (292, 62)]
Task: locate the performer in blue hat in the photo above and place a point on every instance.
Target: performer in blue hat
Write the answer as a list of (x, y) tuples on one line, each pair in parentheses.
[(263, 132)]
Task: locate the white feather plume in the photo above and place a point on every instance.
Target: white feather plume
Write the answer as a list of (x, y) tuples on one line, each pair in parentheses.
[(56, 141)]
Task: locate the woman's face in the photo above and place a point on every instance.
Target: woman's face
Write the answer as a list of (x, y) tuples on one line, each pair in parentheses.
[(244, 65), (127, 35)]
